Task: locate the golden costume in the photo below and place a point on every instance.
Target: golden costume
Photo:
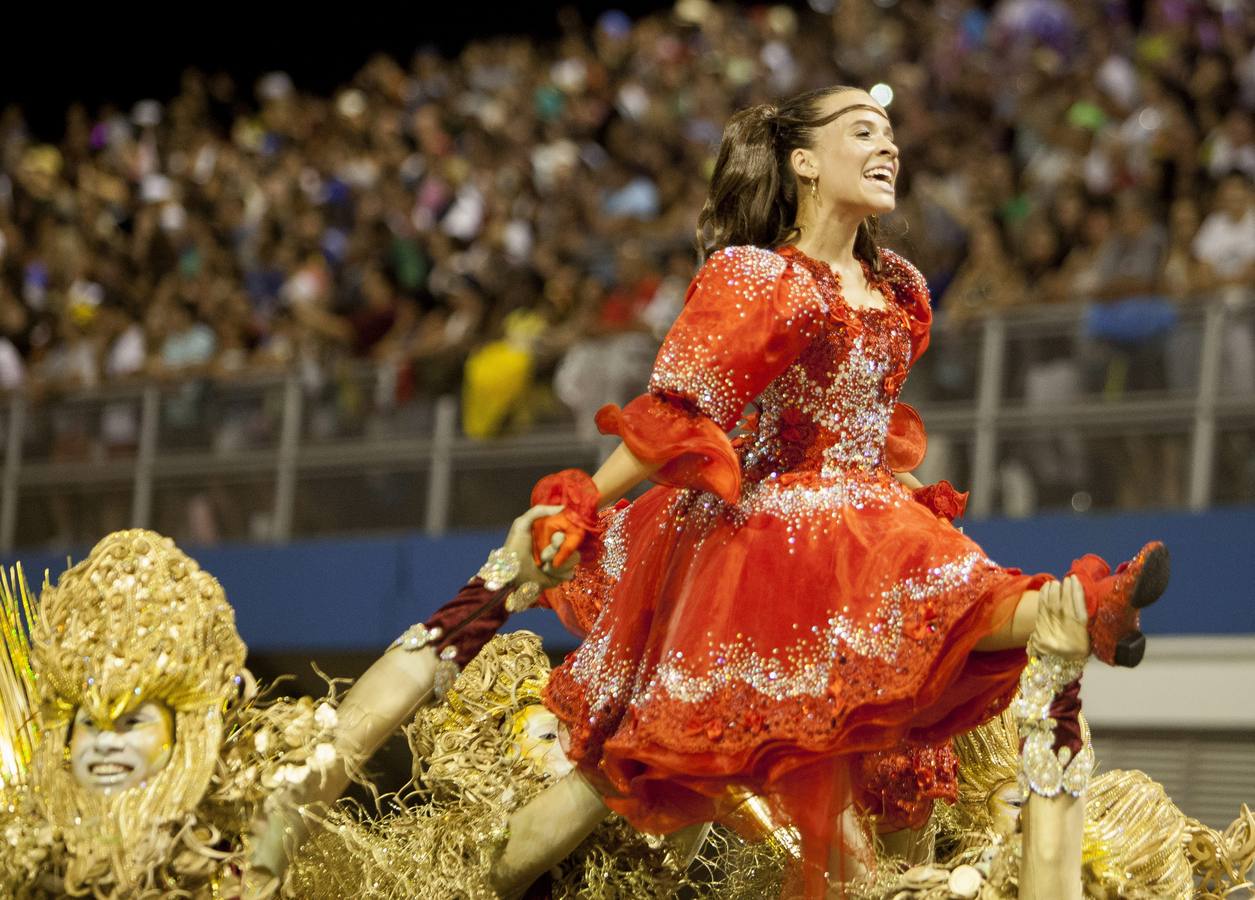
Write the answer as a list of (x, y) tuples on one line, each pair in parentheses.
[(140, 622), (1137, 843), (477, 758)]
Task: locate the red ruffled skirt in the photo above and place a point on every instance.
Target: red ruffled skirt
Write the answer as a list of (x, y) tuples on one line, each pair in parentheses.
[(766, 645)]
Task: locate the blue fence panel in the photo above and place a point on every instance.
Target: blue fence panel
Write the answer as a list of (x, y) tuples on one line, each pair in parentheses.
[(359, 593)]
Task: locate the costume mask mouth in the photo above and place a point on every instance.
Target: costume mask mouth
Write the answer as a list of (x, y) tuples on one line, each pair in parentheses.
[(109, 774)]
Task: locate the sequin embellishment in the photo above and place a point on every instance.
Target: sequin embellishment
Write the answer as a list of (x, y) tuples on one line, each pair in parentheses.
[(806, 667)]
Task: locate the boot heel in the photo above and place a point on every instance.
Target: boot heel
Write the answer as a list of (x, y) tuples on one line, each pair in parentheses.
[(1130, 649)]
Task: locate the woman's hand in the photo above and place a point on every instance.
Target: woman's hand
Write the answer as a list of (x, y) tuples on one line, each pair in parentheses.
[(519, 540), (1061, 620)]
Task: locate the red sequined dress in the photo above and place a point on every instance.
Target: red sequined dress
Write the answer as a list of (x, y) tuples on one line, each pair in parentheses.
[(779, 604)]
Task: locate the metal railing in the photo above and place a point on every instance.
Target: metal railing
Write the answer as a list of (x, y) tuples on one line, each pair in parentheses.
[(289, 449)]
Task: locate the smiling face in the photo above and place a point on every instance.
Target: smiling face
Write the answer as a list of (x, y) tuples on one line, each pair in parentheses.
[(853, 156), (126, 753)]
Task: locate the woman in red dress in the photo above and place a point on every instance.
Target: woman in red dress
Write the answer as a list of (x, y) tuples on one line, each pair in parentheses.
[(786, 602)]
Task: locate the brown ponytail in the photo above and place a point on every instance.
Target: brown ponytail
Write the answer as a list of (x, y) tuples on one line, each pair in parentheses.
[(753, 191)]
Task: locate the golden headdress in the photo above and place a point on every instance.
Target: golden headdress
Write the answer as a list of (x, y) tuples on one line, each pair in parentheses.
[(1134, 838), (456, 744), (19, 713), (989, 758), (136, 621)]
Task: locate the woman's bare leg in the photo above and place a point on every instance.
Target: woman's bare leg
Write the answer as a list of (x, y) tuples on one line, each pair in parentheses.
[(544, 831), (1016, 631), (913, 845), (853, 857)]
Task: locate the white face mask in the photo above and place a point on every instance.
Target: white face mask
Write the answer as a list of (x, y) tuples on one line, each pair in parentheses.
[(1004, 808), (534, 734), (126, 753)]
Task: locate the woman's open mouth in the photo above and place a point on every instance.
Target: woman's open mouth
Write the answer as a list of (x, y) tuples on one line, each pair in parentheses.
[(882, 176)]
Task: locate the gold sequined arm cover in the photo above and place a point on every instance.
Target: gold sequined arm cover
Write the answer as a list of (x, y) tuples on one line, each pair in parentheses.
[(747, 316)]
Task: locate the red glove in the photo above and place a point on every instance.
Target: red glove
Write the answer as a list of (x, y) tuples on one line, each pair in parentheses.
[(574, 490), (942, 499)]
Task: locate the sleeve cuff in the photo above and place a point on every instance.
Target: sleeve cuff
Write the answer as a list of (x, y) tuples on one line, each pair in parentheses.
[(693, 451)]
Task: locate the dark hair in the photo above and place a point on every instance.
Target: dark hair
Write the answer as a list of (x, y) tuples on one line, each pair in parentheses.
[(753, 190)]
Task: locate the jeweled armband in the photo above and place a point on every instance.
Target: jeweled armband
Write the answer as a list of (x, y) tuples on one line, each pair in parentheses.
[(500, 571), (416, 637), (501, 568), (1047, 769)]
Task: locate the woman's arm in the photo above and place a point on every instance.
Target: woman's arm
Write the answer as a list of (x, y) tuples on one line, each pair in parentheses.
[(909, 480), (1053, 830), (621, 472)]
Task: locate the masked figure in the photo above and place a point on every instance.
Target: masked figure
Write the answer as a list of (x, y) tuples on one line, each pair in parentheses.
[(143, 761)]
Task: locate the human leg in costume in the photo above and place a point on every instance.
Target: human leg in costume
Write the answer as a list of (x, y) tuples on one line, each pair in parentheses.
[(485, 751), (414, 671), (1021, 827)]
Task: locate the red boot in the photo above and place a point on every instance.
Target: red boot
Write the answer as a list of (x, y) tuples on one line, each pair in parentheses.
[(1114, 600)]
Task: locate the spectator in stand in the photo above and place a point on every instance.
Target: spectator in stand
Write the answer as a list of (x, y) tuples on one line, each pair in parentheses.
[(517, 162), (988, 282), (1129, 320), (1226, 245)]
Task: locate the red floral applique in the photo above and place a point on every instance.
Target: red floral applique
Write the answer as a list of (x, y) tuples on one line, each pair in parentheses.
[(894, 380), (796, 427)]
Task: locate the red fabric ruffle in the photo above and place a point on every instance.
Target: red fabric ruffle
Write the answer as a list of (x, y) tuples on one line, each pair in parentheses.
[(944, 501), (693, 450), (573, 489), (907, 441)]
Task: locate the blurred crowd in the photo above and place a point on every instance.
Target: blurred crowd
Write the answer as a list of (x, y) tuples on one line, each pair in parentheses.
[(515, 224)]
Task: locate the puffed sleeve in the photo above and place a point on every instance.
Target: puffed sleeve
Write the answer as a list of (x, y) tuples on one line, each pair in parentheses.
[(911, 291), (907, 440), (747, 316)]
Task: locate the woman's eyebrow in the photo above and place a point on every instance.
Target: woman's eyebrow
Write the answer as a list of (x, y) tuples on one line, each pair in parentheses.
[(872, 123)]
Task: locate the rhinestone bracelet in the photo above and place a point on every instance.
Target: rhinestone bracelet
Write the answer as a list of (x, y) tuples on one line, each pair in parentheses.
[(1042, 770)]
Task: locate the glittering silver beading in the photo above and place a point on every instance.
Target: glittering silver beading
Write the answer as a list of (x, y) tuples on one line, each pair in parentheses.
[(501, 568), (416, 637), (1043, 771), (803, 669)]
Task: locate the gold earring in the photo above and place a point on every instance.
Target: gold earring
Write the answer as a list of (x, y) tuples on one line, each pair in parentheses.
[(815, 190)]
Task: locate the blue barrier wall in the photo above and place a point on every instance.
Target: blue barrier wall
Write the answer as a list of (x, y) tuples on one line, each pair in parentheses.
[(359, 593)]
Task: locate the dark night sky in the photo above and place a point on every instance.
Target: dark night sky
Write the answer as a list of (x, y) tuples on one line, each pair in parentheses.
[(120, 53)]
